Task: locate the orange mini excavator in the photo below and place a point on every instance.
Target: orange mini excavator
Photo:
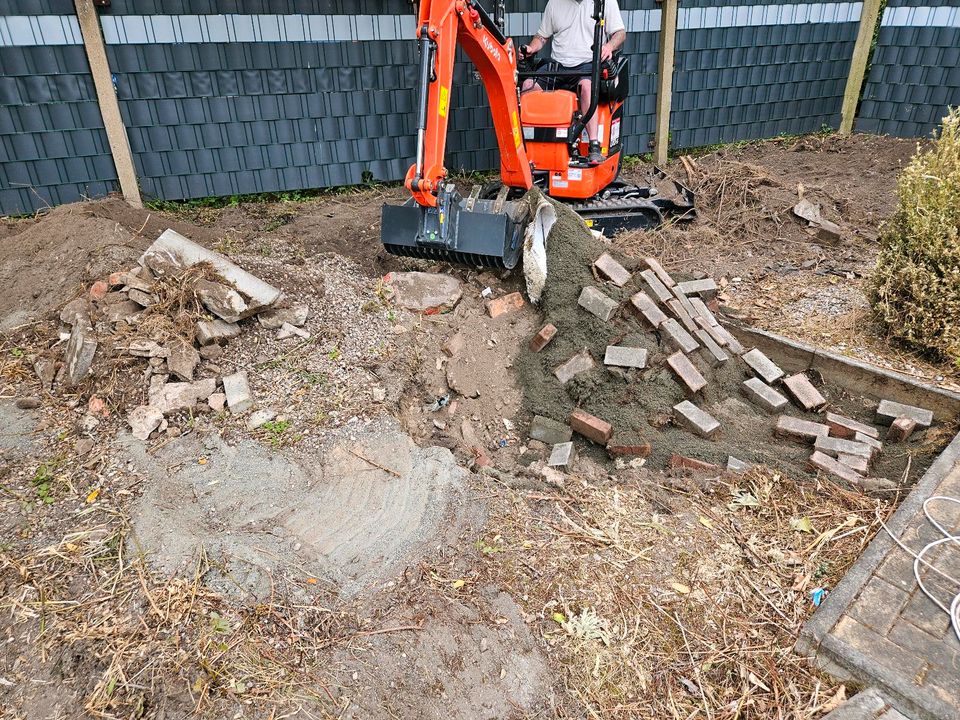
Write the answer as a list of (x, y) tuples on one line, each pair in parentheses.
[(541, 139)]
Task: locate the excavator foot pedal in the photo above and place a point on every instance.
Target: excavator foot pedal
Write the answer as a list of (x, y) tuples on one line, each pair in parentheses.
[(468, 231)]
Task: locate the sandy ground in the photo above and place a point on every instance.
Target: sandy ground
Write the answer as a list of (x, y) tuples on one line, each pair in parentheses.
[(344, 562)]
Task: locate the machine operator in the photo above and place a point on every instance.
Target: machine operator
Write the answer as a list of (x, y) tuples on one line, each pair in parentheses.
[(570, 23)]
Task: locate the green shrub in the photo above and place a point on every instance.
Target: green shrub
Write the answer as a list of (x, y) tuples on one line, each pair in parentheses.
[(915, 289)]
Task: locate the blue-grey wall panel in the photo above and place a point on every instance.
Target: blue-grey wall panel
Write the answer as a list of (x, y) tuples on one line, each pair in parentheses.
[(53, 148), (915, 70)]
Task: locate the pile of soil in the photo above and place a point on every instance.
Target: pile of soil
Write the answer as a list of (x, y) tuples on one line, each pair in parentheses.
[(638, 403)]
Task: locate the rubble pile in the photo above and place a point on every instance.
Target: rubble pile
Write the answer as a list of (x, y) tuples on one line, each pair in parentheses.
[(634, 334), (175, 309)]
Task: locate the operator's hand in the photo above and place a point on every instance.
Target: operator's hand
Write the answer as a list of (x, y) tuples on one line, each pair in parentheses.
[(523, 52), (606, 52)]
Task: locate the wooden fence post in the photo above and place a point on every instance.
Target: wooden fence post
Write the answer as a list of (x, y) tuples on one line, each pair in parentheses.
[(668, 36), (858, 64), (107, 99)]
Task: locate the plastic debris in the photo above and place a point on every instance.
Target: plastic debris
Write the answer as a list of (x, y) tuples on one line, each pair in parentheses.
[(817, 595), (440, 402)]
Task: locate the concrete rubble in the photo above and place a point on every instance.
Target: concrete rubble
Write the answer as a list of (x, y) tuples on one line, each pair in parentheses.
[(115, 307)]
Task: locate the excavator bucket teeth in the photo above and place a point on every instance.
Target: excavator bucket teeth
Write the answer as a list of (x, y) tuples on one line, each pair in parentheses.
[(479, 237)]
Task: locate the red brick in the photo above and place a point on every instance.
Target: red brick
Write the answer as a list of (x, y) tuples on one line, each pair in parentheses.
[(542, 338), (844, 427), (803, 391), (797, 429), (620, 447), (592, 428), (901, 429), (686, 463), (98, 290), (507, 303), (685, 370), (610, 269)]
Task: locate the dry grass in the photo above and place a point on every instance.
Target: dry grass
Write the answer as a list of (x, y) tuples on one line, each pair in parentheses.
[(680, 602)]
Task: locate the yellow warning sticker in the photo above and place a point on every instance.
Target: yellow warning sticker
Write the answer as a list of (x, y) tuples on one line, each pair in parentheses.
[(588, 223), (516, 130), (444, 101)]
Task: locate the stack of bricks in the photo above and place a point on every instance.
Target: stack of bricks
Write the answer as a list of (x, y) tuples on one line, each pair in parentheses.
[(682, 316)]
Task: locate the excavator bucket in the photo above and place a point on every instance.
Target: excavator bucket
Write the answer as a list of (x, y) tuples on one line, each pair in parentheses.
[(468, 231)]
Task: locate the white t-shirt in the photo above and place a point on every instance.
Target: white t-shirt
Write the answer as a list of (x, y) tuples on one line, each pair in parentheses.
[(570, 24)]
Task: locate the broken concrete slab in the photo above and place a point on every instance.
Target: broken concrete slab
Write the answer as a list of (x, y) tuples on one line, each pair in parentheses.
[(288, 331), (844, 427), (645, 306), (79, 353), (596, 303), (561, 455), (208, 332), (620, 356), (173, 250), (126, 311), (697, 421), (76, 311), (888, 411), (143, 420), (147, 349), (273, 318), (797, 429), (222, 300), (579, 363), (169, 398), (182, 359), (420, 291), (688, 374), (591, 427), (549, 431), (808, 211), (259, 418), (804, 393), (610, 269), (237, 389), (763, 395), (762, 366)]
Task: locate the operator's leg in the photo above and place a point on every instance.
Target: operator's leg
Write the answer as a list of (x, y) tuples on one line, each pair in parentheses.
[(528, 85), (594, 156)]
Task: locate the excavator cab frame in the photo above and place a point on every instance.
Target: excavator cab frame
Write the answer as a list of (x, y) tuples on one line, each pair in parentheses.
[(486, 229)]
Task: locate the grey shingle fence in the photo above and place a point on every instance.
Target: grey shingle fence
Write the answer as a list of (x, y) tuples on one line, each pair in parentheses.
[(915, 73), (223, 97)]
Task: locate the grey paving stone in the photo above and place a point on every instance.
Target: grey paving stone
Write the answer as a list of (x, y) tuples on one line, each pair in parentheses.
[(696, 420), (763, 395), (625, 356), (762, 366), (596, 303), (888, 411), (549, 431), (678, 336)]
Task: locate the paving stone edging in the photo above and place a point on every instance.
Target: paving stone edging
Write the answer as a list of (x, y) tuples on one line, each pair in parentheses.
[(836, 657)]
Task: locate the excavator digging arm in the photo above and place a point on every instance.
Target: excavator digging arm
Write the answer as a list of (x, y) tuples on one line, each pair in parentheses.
[(444, 24)]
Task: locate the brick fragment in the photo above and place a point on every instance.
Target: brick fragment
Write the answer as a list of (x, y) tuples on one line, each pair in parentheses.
[(539, 341), (620, 356), (888, 411), (628, 446), (579, 363), (797, 429), (98, 290), (714, 353), (844, 427), (613, 271), (678, 336), (596, 303), (901, 429), (737, 465), (854, 462), (688, 374), (759, 393), (803, 392), (549, 431), (676, 307), (695, 420), (681, 462), (657, 288), (592, 428), (834, 446), (707, 286), (561, 455), (730, 342), (646, 307), (762, 366), (658, 270), (503, 305)]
